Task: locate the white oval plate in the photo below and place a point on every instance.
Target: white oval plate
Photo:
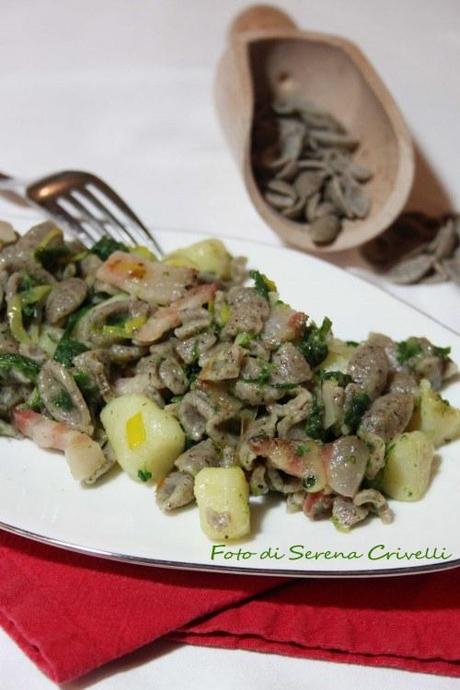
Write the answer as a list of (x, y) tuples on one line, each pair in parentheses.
[(119, 519)]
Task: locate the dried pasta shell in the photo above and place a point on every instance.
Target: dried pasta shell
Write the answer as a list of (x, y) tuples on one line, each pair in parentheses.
[(325, 229), (411, 270)]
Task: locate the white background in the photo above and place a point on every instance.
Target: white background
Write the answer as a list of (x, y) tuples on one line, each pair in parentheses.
[(124, 88)]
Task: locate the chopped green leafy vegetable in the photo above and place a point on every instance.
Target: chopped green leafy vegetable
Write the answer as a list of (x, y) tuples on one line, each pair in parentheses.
[(301, 449), (354, 411), (314, 345), (191, 371), (31, 298), (407, 349), (63, 401), (244, 339), (84, 382), (27, 282), (75, 318), (67, 349), (309, 481), (341, 379), (265, 372), (314, 424), (34, 401), (88, 389), (107, 246), (176, 399), (442, 352), (53, 257), (144, 475), (262, 284), (284, 386), (24, 365), (195, 350), (29, 312), (410, 348), (389, 448)]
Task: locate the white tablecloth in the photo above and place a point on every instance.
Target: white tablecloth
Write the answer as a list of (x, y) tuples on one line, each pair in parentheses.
[(123, 89)]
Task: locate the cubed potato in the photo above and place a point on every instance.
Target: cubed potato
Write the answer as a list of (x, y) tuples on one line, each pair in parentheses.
[(338, 356), (407, 470), (222, 494), (146, 440), (435, 416), (209, 256)]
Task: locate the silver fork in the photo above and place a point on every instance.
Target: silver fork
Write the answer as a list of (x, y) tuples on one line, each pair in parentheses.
[(85, 204)]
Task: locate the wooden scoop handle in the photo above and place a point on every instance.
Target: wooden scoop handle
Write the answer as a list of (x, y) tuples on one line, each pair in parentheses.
[(261, 18)]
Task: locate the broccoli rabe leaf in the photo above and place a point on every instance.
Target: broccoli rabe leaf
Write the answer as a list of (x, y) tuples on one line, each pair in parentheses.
[(262, 284), (442, 352), (407, 349), (338, 376), (144, 475), (191, 371), (34, 401), (301, 449), (107, 246), (309, 481), (195, 354), (412, 348), (67, 349), (354, 411), (27, 282), (30, 311), (244, 339), (265, 371), (88, 389), (176, 399), (53, 257), (63, 401), (314, 345), (284, 386), (10, 361), (314, 425)]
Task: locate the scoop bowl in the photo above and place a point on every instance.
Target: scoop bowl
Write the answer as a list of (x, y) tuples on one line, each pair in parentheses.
[(266, 54)]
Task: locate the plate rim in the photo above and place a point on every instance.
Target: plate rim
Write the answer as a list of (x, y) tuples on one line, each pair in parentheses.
[(229, 570), (134, 560)]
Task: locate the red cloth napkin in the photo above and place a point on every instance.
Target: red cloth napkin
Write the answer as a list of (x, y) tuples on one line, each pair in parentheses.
[(72, 613), (411, 623)]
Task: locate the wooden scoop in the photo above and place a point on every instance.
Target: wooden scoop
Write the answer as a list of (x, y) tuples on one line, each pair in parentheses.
[(266, 53)]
